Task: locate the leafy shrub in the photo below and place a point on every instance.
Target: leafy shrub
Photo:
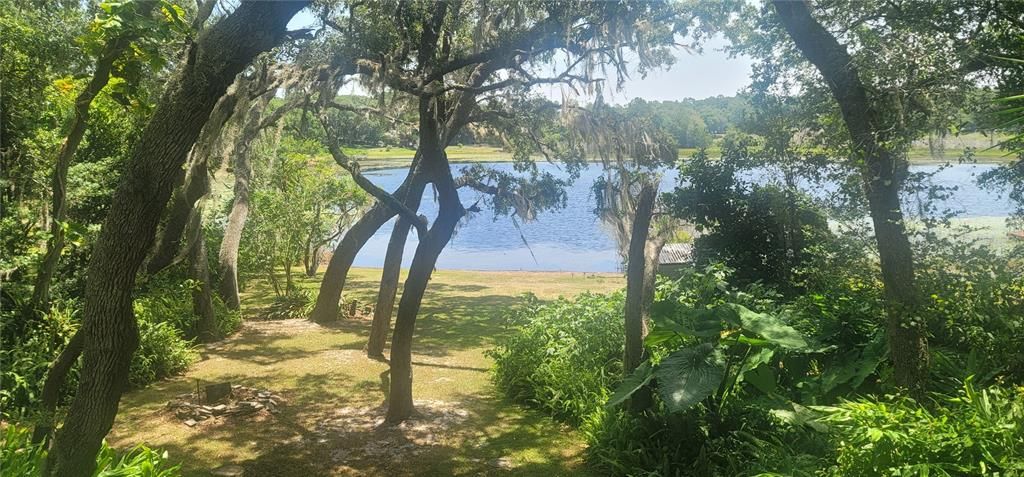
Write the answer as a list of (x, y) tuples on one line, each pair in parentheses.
[(162, 352), (20, 457), (563, 357), (742, 440), (228, 320), (297, 304), (759, 230), (23, 365), (168, 299), (973, 433)]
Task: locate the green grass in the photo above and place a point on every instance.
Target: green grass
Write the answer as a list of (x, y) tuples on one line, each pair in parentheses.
[(919, 154), (330, 384)]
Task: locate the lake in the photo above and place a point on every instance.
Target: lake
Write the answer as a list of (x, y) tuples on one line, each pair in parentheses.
[(573, 239)]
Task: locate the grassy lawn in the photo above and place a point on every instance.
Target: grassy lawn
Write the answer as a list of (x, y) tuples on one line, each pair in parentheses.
[(334, 393)]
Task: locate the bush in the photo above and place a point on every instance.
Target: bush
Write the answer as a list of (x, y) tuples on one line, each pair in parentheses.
[(162, 352), (20, 457), (972, 433), (761, 231), (742, 440), (297, 304), (168, 299), (24, 364), (563, 357)]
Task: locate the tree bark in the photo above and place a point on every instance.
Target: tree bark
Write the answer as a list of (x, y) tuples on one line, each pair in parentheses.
[(195, 185), (183, 203), (199, 270), (228, 256), (400, 403), (389, 277), (109, 327), (638, 281), (329, 297), (882, 172), (55, 245)]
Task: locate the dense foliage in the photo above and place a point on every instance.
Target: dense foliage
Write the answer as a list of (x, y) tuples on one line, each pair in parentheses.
[(564, 356), (21, 457)]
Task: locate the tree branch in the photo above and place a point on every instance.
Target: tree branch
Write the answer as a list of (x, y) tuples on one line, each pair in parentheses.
[(342, 159)]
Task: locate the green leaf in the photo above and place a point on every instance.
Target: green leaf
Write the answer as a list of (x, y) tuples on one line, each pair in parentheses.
[(638, 379), (769, 327), (762, 377), (690, 375)]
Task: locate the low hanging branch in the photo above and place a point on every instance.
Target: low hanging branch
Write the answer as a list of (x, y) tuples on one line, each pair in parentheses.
[(342, 159)]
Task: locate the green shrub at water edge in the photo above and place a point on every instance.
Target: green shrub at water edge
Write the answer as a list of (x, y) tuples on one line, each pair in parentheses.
[(563, 357), (19, 457)]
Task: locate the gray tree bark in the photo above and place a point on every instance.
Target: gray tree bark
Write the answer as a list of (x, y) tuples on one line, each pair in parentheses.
[(194, 186), (242, 168), (329, 297), (199, 270), (109, 330), (400, 403)]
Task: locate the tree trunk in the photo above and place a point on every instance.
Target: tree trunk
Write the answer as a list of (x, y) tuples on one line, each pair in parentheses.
[(389, 277), (638, 283), (329, 297), (195, 185), (55, 378), (183, 203), (109, 327), (202, 295), (400, 404), (882, 174), (55, 245), (228, 256)]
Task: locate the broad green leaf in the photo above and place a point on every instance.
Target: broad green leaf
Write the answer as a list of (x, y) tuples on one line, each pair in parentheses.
[(690, 375), (762, 377), (640, 377), (769, 327)]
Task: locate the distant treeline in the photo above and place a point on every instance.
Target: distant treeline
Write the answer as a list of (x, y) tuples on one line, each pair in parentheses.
[(691, 122)]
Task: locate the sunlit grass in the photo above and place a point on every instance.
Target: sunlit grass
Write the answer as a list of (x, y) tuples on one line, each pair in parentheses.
[(323, 369)]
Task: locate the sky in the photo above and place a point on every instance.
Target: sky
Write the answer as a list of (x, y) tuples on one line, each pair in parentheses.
[(698, 76)]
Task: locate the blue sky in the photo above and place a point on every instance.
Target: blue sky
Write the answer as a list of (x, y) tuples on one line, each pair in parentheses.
[(698, 76)]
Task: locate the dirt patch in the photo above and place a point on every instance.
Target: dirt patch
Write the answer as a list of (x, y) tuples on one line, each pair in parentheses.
[(435, 420)]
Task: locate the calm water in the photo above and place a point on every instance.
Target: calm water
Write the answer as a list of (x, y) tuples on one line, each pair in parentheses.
[(573, 239)]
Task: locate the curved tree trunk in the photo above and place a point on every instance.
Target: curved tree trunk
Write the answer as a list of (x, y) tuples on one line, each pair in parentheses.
[(109, 328), (400, 404), (389, 277), (195, 185), (882, 174), (639, 280), (228, 256), (183, 203), (329, 297)]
